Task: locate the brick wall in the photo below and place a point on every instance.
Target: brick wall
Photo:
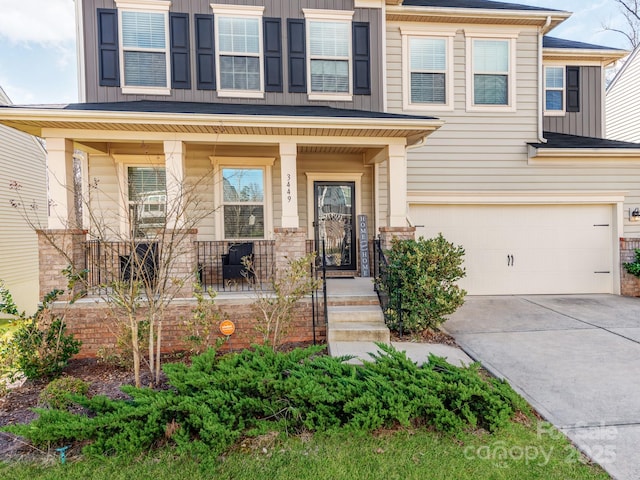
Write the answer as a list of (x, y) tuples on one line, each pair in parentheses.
[(387, 234), (94, 323), (57, 249), (629, 284)]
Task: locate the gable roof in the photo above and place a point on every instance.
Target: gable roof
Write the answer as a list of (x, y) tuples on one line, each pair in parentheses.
[(484, 4), (620, 73)]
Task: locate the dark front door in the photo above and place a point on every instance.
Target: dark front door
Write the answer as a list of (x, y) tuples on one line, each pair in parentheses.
[(335, 222)]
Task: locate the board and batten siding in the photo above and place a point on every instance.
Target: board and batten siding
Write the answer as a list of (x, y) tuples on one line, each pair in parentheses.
[(588, 121), (23, 160), (273, 8), (623, 103)]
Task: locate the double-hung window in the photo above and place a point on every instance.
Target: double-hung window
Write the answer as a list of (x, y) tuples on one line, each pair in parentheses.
[(491, 79), (147, 190), (427, 72), (145, 52), (554, 82), (239, 50), (329, 37), (243, 196)]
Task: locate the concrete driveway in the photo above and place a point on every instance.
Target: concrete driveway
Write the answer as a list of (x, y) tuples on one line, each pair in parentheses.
[(575, 358)]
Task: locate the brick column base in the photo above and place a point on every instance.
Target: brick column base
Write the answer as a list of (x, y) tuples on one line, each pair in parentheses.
[(57, 249), (629, 284), (387, 234), (291, 243)]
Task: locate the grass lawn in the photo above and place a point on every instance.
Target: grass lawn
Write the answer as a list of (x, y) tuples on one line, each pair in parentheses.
[(417, 454)]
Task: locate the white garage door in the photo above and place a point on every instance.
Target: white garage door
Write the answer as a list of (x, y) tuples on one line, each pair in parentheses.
[(527, 249)]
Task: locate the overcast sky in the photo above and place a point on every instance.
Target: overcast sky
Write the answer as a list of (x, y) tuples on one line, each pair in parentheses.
[(38, 54)]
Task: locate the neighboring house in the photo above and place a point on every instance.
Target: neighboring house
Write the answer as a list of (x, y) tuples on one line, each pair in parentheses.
[(22, 162), (623, 101), (459, 117)]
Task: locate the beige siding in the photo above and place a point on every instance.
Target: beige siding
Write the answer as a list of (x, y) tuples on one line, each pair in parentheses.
[(588, 121), (623, 104), (105, 197), (22, 160), (199, 198), (469, 141)]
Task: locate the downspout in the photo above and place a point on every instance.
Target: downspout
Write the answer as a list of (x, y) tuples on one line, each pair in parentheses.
[(542, 31), (384, 57), (81, 68)]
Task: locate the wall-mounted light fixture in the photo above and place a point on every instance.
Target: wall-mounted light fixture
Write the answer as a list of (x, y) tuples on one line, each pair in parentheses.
[(634, 215)]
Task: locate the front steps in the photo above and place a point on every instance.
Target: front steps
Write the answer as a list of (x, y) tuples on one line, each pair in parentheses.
[(354, 315)]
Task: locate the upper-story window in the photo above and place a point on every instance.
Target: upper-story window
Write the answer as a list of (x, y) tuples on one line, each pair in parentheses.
[(239, 50), (554, 90), (144, 36), (491, 72), (329, 66), (427, 72)]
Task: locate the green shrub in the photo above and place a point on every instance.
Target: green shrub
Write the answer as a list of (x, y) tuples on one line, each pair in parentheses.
[(424, 273), (7, 305), (634, 267), (216, 400), (41, 345), (57, 394)]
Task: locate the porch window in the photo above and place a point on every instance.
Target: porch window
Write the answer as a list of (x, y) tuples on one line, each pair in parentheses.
[(243, 202), (144, 49), (147, 199)]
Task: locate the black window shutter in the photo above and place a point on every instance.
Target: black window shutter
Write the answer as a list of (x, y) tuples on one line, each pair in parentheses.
[(296, 43), (205, 52), (573, 89), (272, 55), (361, 59), (180, 64), (108, 56)]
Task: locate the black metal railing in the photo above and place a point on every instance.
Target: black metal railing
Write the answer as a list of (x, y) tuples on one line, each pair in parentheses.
[(319, 295), (390, 295), (216, 267)]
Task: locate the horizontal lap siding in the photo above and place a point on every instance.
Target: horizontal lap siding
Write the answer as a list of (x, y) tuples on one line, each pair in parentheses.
[(107, 196), (274, 8), (475, 152), (21, 160), (200, 200), (623, 104)]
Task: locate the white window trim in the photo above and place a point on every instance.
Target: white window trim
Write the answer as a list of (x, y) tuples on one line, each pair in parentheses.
[(448, 35), (239, 11), (153, 6), (247, 162), (555, 113), (511, 37), (334, 16), (123, 162)]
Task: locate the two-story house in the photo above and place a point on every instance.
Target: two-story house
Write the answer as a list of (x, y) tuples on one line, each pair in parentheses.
[(291, 119)]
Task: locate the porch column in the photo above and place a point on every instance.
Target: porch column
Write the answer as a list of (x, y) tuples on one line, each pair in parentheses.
[(288, 175), (175, 171), (60, 180), (397, 186)]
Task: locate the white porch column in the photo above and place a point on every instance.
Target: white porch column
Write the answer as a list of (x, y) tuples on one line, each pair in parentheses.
[(175, 171), (288, 175), (60, 181), (397, 186)]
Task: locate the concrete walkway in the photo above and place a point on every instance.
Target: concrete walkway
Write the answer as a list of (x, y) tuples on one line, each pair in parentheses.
[(575, 358)]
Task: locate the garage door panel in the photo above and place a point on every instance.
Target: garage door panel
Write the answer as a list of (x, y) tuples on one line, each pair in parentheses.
[(555, 248)]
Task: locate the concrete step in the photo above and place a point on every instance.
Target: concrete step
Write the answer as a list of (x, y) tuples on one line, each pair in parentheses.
[(357, 332), (355, 313)]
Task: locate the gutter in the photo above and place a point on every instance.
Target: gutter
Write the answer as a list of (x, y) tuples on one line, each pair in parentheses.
[(541, 33)]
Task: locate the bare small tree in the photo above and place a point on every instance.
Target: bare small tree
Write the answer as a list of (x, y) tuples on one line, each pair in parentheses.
[(145, 260), (631, 30)]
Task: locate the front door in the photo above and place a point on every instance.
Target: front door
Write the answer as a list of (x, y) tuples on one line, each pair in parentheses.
[(335, 222)]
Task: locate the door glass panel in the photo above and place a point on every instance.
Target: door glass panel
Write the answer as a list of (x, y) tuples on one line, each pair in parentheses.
[(334, 220)]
